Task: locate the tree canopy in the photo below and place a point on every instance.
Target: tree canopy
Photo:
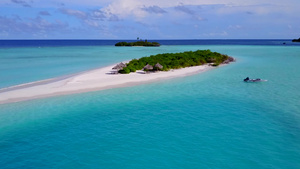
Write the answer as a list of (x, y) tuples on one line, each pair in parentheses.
[(296, 40), (177, 60), (138, 43)]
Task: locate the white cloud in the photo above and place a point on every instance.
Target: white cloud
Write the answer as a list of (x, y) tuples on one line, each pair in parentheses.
[(125, 8), (235, 27), (154, 9), (72, 12), (160, 3), (139, 9), (222, 16), (92, 23), (44, 13), (21, 2), (32, 26), (216, 34)]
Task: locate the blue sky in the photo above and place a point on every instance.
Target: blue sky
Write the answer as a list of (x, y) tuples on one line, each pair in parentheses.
[(149, 19)]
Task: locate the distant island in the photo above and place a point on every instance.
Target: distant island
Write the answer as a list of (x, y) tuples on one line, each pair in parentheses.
[(296, 40), (168, 61), (138, 43)]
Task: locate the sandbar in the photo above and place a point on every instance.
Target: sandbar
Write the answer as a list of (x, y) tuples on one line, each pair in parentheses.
[(93, 80)]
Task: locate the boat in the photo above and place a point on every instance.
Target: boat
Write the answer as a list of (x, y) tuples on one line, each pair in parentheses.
[(254, 80)]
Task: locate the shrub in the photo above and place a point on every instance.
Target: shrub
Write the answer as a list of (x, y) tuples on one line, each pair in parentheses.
[(125, 70), (138, 43), (177, 60), (132, 69), (121, 44)]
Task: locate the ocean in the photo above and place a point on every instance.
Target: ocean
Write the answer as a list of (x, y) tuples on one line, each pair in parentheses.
[(207, 120)]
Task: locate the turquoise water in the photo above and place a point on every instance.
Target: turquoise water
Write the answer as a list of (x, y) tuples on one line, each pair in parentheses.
[(209, 120)]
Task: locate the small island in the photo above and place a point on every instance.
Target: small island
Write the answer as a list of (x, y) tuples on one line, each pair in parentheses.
[(138, 43), (101, 79), (168, 61), (296, 40)]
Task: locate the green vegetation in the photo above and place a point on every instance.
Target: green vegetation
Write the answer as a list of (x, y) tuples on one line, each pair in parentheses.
[(138, 43), (169, 61), (296, 40)]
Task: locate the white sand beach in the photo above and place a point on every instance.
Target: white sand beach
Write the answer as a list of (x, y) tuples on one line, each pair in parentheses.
[(93, 80)]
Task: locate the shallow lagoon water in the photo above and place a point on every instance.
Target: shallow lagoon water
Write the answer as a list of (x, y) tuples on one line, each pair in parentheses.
[(208, 120)]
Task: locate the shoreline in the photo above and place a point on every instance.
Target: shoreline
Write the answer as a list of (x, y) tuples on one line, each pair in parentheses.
[(88, 81)]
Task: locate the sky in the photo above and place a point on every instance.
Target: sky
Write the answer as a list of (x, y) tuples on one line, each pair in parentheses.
[(149, 19)]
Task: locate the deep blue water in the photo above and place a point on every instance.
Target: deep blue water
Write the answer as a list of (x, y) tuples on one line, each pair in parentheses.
[(208, 120), (55, 43)]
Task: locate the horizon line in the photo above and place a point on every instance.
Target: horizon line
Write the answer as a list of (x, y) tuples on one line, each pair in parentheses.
[(155, 39)]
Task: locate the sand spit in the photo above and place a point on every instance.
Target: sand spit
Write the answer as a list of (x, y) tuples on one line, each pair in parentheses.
[(94, 80)]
